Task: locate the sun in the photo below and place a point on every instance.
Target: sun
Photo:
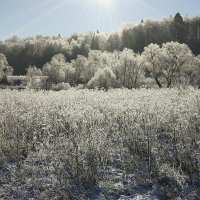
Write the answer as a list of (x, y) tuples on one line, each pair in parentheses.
[(104, 11), (101, 3), (106, 3)]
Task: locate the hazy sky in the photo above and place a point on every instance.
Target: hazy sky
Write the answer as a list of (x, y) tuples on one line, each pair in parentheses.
[(25, 18)]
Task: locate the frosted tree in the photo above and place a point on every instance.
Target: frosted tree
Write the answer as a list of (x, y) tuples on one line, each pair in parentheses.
[(192, 72), (52, 69), (126, 62), (91, 66), (103, 78), (33, 71), (34, 77), (79, 67), (58, 70), (197, 66), (176, 58), (127, 68), (137, 71), (152, 61), (68, 72), (95, 43), (5, 69), (113, 42)]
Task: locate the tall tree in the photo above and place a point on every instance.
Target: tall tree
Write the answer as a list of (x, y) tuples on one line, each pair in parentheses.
[(58, 69), (152, 62), (175, 57), (180, 28), (5, 69)]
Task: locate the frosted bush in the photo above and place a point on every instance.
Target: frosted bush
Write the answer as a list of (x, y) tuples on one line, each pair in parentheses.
[(36, 83), (103, 78), (61, 86)]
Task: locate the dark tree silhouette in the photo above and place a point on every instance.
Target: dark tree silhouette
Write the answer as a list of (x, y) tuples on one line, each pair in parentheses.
[(180, 28)]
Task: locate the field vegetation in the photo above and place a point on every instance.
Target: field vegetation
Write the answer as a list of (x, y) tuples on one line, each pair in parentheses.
[(92, 144)]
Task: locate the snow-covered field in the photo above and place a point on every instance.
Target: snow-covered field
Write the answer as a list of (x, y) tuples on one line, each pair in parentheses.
[(85, 144)]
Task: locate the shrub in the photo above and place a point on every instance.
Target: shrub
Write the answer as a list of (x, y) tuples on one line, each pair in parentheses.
[(61, 86), (103, 78), (36, 83)]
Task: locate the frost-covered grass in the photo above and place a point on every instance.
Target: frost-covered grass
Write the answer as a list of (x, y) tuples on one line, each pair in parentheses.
[(83, 144)]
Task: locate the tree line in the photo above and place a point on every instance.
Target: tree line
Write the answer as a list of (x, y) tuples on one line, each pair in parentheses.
[(37, 51), (169, 65)]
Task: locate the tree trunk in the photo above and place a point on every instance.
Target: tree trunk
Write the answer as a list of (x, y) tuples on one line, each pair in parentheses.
[(158, 82), (124, 78), (168, 84)]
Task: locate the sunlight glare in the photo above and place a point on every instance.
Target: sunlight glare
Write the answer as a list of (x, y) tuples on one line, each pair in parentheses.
[(105, 3)]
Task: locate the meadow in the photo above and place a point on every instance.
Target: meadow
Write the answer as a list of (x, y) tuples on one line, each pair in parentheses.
[(93, 144)]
